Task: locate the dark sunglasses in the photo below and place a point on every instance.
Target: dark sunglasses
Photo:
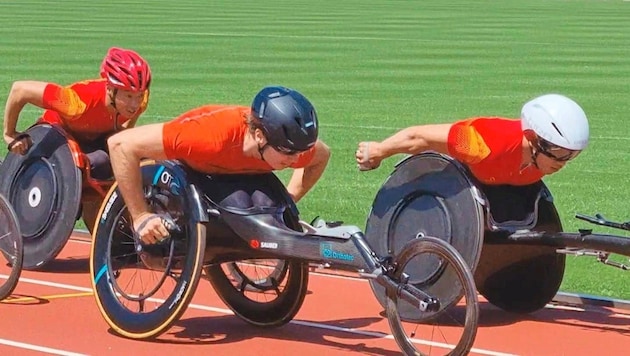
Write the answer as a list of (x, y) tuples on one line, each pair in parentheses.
[(286, 151), (547, 149)]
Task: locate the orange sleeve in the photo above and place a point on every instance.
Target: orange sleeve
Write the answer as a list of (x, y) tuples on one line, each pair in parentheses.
[(466, 144), (63, 100)]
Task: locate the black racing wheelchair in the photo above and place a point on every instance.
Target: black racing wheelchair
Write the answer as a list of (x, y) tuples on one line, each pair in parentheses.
[(50, 187), (11, 249), (256, 255), (510, 237)]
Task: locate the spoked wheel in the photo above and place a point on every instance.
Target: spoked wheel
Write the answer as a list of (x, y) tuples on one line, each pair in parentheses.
[(447, 329), (142, 290), (267, 274), (266, 293), (11, 249)]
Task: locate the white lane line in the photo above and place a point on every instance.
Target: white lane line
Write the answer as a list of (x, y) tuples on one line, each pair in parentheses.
[(48, 350), (296, 322), (359, 279)]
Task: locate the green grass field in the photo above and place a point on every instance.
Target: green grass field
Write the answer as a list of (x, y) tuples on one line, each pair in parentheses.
[(371, 68)]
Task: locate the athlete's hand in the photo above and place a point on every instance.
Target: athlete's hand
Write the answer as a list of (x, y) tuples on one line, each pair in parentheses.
[(18, 143), (151, 228), (367, 156)]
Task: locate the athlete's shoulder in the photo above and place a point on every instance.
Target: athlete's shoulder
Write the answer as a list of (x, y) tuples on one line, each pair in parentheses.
[(213, 113), (89, 89), (490, 125)]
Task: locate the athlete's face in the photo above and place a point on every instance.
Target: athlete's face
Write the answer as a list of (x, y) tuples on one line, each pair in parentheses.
[(127, 102), (552, 158), (548, 165), (278, 158)]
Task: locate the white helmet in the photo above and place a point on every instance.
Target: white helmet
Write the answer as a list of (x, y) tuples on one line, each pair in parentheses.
[(558, 120)]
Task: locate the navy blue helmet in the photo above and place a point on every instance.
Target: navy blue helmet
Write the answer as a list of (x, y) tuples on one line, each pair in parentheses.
[(287, 118)]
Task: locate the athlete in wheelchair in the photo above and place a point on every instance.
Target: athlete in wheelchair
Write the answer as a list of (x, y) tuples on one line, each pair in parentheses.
[(211, 200), (480, 187), (58, 171)]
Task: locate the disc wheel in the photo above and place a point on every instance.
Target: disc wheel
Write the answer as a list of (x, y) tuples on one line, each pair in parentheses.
[(444, 322), (44, 188), (11, 249)]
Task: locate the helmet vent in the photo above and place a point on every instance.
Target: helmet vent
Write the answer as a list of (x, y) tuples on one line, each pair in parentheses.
[(286, 134), (557, 129)]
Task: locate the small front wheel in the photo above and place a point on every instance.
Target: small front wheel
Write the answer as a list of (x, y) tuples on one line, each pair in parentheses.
[(447, 318)]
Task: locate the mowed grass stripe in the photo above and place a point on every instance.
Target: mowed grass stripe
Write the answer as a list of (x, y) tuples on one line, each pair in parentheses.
[(371, 68)]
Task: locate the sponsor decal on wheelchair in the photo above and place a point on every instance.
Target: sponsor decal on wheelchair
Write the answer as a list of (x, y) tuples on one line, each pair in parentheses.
[(179, 295), (327, 251), (166, 179), (108, 206), (263, 244)]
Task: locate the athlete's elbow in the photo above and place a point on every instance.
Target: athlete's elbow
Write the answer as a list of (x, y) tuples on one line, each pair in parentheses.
[(117, 144), (322, 153)]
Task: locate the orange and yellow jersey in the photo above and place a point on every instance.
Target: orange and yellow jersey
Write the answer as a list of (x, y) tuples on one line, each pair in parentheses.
[(81, 109), (492, 150), (210, 139)]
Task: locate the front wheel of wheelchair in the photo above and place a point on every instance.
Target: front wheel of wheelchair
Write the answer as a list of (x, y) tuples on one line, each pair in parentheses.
[(11, 249), (265, 293), (445, 318), (120, 269)]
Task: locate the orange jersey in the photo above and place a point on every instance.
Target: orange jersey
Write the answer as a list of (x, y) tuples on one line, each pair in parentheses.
[(82, 111), (492, 150), (210, 139)]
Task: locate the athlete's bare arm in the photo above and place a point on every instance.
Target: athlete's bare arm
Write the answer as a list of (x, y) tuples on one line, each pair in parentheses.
[(303, 179), (411, 140), (21, 93), (126, 149)]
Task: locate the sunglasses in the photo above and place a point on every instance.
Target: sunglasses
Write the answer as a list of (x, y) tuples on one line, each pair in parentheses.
[(556, 153), (286, 151)]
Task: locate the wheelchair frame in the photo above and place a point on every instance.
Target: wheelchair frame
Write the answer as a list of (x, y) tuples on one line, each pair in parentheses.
[(258, 234)]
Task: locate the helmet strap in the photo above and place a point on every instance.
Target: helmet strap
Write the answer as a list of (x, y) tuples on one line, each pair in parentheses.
[(261, 150), (112, 98), (534, 154)]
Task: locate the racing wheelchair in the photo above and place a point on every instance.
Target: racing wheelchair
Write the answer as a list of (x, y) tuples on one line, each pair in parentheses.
[(11, 249), (50, 187), (511, 237), (208, 231)]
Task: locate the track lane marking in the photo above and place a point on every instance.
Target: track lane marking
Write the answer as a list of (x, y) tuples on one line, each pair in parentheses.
[(296, 322), (44, 297), (23, 345)]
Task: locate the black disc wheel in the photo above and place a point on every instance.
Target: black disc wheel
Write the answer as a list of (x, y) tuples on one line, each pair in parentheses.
[(44, 188)]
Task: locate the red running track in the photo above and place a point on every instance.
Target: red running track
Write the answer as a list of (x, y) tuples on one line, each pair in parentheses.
[(54, 312)]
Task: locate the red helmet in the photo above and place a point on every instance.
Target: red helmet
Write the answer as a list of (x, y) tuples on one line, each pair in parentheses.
[(126, 69)]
